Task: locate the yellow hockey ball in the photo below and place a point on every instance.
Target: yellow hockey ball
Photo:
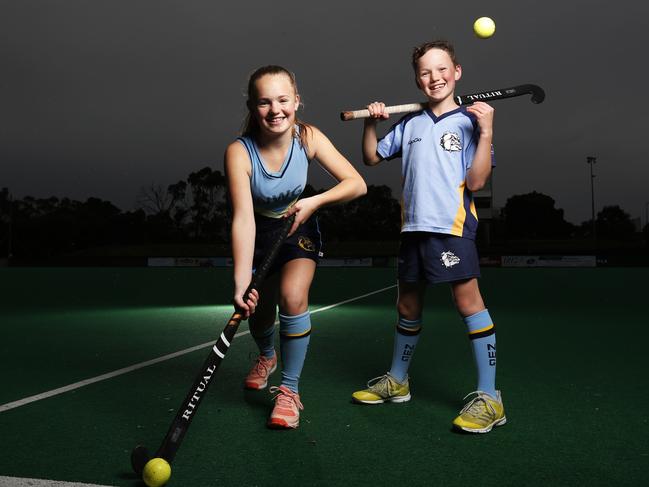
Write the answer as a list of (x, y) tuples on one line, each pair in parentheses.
[(484, 27), (156, 472)]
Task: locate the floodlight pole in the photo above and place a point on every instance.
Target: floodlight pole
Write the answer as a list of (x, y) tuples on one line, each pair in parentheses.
[(591, 161)]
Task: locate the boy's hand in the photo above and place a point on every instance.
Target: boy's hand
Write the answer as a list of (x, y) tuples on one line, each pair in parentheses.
[(377, 111), (484, 114)]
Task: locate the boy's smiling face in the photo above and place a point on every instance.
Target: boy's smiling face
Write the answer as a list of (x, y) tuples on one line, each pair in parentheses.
[(436, 75)]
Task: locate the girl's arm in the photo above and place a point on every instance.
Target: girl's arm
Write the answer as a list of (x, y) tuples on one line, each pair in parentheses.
[(238, 170), (350, 183)]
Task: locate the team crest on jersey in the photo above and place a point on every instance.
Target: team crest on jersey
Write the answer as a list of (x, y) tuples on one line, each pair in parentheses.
[(305, 243), (449, 259), (450, 142)]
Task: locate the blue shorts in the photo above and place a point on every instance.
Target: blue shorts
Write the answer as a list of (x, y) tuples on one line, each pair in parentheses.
[(436, 257), (306, 242)]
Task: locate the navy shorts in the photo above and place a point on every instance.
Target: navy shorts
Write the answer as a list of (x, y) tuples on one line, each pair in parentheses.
[(306, 242), (436, 257)]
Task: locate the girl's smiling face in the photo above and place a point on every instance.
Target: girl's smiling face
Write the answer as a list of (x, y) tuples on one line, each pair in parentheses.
[(275, 103)]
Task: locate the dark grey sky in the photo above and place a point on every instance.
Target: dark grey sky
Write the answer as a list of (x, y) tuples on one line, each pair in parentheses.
[(99, 98)]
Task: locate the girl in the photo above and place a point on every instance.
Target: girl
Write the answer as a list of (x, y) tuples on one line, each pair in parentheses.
[(267, 171)]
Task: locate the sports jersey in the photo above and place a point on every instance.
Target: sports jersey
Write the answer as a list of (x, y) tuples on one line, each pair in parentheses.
[(274, 192), (436, 154)]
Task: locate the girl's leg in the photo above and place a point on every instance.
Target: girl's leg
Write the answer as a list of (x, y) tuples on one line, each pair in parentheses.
[(294, 318), (262, 329)]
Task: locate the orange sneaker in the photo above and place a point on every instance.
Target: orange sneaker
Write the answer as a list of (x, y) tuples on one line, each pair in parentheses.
[(258, 376), (286, 413)]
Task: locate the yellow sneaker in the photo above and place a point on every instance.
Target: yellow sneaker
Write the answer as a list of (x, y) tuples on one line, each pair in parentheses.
[(382, 389), (481, 413)]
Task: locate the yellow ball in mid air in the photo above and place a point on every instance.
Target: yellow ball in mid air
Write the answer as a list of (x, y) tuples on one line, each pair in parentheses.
[(156, 472), (484, 27)]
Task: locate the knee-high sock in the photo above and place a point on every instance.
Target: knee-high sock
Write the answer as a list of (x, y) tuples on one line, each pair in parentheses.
[(482, 333), (406, 337), (294, 336), (265, 338)]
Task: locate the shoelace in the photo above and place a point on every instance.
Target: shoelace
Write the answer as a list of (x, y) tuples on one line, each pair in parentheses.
[(262, 365), (285, 397), (380, 385), (473, 407)]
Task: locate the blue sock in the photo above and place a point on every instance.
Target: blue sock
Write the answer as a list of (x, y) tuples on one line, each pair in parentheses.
[(265, 338), (294, 336), (482, 333), (406, 337)]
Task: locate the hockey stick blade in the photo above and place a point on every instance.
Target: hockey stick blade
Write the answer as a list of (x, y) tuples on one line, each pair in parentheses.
[(139, 458), (538, 95)]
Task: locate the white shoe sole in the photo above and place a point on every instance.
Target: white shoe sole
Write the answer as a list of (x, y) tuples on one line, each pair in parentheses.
[(381, 401), (486, 429)]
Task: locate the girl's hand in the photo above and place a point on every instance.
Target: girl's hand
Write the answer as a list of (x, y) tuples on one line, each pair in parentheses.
[(302, 209), (484, 115), (248, 306)]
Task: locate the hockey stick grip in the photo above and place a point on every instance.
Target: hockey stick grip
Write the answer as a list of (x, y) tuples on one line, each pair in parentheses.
[(407, 108)]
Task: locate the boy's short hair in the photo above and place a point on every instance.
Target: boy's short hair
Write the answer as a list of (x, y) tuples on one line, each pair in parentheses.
[(422, 49)]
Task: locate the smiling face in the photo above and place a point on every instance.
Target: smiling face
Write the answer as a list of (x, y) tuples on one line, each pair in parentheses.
[(436, 74), (275, 103)]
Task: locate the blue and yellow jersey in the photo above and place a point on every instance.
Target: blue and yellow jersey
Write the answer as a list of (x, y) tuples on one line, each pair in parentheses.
[(274, 192), (436, 154)]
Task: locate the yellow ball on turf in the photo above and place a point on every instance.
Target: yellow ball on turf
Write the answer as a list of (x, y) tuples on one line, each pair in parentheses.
[(156, 472), (484, 27)]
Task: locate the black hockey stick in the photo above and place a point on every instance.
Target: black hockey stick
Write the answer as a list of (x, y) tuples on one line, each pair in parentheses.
[(538, 95), (169, 447)]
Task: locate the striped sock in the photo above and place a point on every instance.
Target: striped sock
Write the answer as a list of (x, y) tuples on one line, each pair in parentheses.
[(482, 333), (406, 337), (265, 339), (294, 336)]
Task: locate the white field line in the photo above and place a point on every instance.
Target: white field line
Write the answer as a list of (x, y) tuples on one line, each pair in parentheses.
[(131, 368), (21, 482)]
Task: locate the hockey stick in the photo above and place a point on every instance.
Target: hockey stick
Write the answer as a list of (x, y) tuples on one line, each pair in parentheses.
[(538, 95), (169, 447)]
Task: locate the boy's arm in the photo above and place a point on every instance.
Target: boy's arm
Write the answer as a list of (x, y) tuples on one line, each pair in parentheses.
[(370, 141), (478, 175)]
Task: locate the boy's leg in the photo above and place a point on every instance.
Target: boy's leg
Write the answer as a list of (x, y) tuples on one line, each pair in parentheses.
[(485, 409), (394, 386), (482, 332), (406, 334)]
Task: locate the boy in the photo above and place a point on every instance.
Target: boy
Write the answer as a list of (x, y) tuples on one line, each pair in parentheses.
[(446, 156)]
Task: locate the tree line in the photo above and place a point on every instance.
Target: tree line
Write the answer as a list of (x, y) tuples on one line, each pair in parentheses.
[(195, 210)]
